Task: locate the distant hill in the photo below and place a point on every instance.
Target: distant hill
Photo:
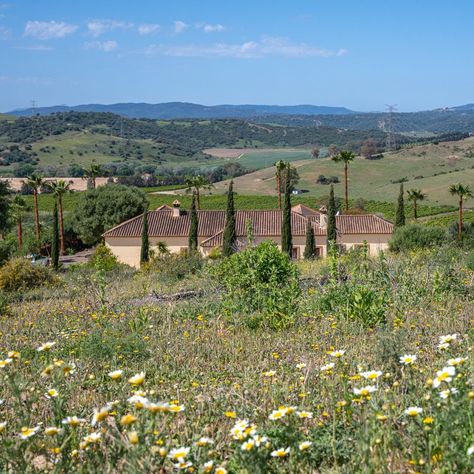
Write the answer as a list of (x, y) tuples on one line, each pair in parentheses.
[(184, 110), (443, 120), (455, 119)]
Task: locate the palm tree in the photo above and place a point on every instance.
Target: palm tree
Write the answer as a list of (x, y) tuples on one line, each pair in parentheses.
[(18, 210), (415, 195), (194, 184), (91, 173), (463, 192), (35, 181), (59, 188), (345, 157), (280, 166)]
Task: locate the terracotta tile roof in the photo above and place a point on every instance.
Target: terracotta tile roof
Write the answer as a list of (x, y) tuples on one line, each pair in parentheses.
[(266, 223), (162, 223), (305, 210), (363, 224)]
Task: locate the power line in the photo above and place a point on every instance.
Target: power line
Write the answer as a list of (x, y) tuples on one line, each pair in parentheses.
[(391, 138)]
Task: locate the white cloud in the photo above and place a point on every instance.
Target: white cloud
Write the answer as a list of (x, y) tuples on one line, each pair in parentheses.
[(44, 30), (99, 27), (5, 32), (148, 28), (180, 26), (105, 46), (266, 46), (213, 28)]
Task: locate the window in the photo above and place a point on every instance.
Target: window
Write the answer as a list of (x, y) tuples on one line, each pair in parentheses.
[(295, 253)]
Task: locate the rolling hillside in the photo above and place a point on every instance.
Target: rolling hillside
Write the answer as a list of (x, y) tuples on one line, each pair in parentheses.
[(441, 120), (431, 168), (73, 138)]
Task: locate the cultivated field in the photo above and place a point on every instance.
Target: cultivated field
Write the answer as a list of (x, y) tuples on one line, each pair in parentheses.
[(431, 168)]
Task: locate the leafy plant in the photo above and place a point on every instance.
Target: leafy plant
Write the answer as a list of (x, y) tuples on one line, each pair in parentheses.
[(19, 274), (261, 280)]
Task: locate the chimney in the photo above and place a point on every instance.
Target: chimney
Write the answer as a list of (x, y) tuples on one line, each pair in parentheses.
[(323, 217), (176, 208)]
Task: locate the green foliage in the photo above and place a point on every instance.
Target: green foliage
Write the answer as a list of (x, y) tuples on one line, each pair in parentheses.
[(145, 244), (7, 248), (193, 227), (174, 266), (4, 206), (470, 261), (411, 237), (230, 236), (20, 274), (100, 209), (286, 237), (400, 216), (261, 284), (309, 249), (103, 258), (331, 216), (55, 242)]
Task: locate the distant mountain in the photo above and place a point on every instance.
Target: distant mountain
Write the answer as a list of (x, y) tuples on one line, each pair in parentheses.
[(184, 110)]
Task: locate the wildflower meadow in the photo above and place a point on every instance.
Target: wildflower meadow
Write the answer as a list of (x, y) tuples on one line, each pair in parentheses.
[(370, 369)]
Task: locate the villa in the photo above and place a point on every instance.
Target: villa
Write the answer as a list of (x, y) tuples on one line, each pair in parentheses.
[(170, 225)]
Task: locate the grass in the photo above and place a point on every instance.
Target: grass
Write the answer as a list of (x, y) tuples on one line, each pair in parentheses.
[(210, 370), (431, 168)]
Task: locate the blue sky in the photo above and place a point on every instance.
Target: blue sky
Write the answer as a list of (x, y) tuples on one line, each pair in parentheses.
[(359, 54)]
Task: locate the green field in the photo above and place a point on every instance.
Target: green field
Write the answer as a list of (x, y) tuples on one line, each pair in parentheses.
[(431, 168), (263, 159)]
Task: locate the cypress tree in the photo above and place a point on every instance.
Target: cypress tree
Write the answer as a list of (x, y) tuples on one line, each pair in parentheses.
[(286, 238), (400, 217), (193, 227), (145, 248), (331, 224), (229, 229), (309, 249), (55, 242)]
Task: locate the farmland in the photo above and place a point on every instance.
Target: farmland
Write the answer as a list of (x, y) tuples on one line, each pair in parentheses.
[(431, 168)]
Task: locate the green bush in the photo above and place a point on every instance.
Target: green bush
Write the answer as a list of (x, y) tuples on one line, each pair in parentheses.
[(262, 284), (20, 274), (415, 236), (103, 258), (104, 207), (175, 266)]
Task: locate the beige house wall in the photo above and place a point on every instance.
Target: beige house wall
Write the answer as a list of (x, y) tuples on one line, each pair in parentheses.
[(375, 242), (127, 249)]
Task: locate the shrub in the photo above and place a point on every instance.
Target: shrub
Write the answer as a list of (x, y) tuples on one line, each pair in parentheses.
[(20, 274), (103, 258), (467, 233), (261, 280), (175, 266), (411, 237), (102, 208)]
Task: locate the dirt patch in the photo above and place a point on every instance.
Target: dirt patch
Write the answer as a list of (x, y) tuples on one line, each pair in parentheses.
[(77, 184), (225, 152)]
